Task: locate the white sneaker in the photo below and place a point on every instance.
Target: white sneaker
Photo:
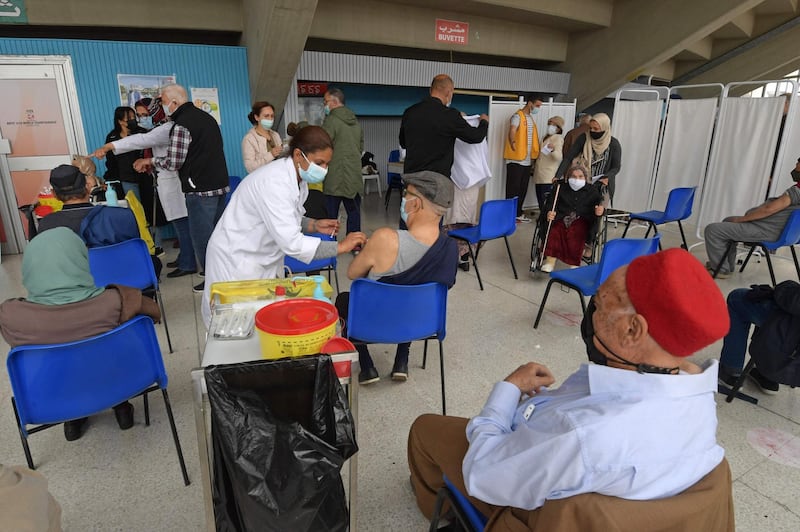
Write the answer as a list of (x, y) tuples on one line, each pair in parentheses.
[(523, 219), (548, 264)]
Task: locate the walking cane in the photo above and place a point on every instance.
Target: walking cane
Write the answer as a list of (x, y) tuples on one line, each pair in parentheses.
[(549, 223)]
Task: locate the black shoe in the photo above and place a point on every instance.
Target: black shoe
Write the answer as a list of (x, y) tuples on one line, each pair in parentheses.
[(124, 414), (767, 386), (180, 273), (400, 372), (202, 274), (727, 376), (463, 262), (198, 289), (173, 264), (73, 430), (159, 252), (368, 376)]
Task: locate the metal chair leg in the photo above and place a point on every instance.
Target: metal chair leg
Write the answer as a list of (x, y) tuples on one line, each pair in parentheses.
[(728, 250), (796, 264), (627, 226), (544, 301), (655, 234), (437, 510), (475, 265), (747, 259), (146, 409), (683, 236), (508, 248), (164, 318), (441, 366), (175, 437), (425, 354), (734, 391), (769, 266), (25, 448)]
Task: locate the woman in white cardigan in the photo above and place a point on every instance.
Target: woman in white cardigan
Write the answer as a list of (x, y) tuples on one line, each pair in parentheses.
[(549, 159), (261, 145)]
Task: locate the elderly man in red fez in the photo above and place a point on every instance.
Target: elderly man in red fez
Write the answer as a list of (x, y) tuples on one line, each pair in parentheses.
[(623, 444)]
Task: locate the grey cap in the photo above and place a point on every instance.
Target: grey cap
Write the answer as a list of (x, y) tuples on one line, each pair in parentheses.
[(433, 186), (66, 180)]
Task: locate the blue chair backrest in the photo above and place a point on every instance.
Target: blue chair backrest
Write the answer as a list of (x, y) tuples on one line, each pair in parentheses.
[(59, 382), (791, 231), (127, 263), (295, 265), (476, 519), (498, 218), (622, 251), (392, 313), (394, 156), (679, 203)]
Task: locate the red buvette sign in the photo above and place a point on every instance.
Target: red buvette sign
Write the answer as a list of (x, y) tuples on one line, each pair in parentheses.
[(452, 32)]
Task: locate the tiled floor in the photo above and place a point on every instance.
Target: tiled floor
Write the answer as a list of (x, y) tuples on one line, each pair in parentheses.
[(113, 480)]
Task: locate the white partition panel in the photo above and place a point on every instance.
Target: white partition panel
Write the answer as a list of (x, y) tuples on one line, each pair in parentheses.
[(499, 115), (636, 127), (790, 143), (685, 148), (741, 157)]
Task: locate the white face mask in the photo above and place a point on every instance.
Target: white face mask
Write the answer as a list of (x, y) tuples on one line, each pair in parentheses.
[(576, 184), (552, 130)]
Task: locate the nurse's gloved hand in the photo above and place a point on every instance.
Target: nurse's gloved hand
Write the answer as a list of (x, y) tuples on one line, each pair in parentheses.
[(351, 241)]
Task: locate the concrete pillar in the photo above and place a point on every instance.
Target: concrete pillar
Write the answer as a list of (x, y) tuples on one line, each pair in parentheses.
[(275, 33)]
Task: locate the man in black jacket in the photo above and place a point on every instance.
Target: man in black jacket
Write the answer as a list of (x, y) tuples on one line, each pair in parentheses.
[(195, 152), (429, 130)]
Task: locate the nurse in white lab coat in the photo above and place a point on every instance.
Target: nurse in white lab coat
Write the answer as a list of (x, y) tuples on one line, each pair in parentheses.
[(265, 219)]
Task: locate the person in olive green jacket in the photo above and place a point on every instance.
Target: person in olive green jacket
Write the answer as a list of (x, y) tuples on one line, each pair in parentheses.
[(343, 184)]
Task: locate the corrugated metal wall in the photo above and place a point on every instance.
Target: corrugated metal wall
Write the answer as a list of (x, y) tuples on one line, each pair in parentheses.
[(380, 137), (345, 68), (97, 63)]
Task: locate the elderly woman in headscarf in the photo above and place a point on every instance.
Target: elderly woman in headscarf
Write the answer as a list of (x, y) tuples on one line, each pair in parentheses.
[(598, 151), (64, 305), (168, 183)]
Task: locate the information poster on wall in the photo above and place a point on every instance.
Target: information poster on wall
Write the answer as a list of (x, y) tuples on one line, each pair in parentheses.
[(134, 87), (208, 101), (13, 12)]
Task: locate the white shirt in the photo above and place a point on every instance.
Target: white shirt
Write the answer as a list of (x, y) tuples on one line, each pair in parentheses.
[(169, 184), (605, 430), (470, 161), (260, 225)]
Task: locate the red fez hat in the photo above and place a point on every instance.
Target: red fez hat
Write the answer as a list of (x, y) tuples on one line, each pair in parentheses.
[(684, 309)]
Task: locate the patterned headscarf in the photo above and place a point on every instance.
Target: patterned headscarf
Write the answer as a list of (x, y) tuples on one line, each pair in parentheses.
[(154, 109)]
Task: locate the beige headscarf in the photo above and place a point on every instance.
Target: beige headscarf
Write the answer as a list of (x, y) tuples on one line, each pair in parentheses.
[(600, 145)]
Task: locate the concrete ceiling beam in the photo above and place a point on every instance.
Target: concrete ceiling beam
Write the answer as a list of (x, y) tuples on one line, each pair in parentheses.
[(641, 34)]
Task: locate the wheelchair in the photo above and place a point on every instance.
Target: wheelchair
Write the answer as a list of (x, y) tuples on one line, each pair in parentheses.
[(599, 231)]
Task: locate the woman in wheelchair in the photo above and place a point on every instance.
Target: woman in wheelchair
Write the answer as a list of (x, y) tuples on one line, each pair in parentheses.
[(578, 205)]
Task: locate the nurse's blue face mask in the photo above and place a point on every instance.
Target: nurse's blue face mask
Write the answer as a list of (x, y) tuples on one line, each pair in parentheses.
[(314, 173)]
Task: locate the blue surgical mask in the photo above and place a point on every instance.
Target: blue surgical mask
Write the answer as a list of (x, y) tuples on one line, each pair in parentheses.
[(314, 174), (165, 107), (535, 111), (145, 122), (326, 110), (403, 213), (266, 123)]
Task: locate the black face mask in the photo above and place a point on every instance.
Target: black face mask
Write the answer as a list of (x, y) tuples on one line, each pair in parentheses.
[(596, 134), (796, 175), (598, 357), (133, 124)]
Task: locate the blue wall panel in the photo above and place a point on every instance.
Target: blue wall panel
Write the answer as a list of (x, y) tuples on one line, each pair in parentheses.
[(97, 63), (381, 100)]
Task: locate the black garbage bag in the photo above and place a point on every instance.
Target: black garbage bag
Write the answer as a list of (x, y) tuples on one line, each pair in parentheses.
[(281, 431)]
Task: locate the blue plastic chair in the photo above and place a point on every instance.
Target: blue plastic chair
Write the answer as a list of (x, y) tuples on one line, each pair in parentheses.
[(295, 266), (129, 264), (790, 236), (679, 207), (55, 383), (498, 219), (393, 179), (233, 182), (470, 518), (382, 313), (587, 279)]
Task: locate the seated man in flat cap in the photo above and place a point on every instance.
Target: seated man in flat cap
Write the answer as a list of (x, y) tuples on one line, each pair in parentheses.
[(72, 188), (421, 254), (638, 424)]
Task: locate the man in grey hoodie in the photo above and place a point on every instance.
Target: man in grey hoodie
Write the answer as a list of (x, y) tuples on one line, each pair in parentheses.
[(343, 183)]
